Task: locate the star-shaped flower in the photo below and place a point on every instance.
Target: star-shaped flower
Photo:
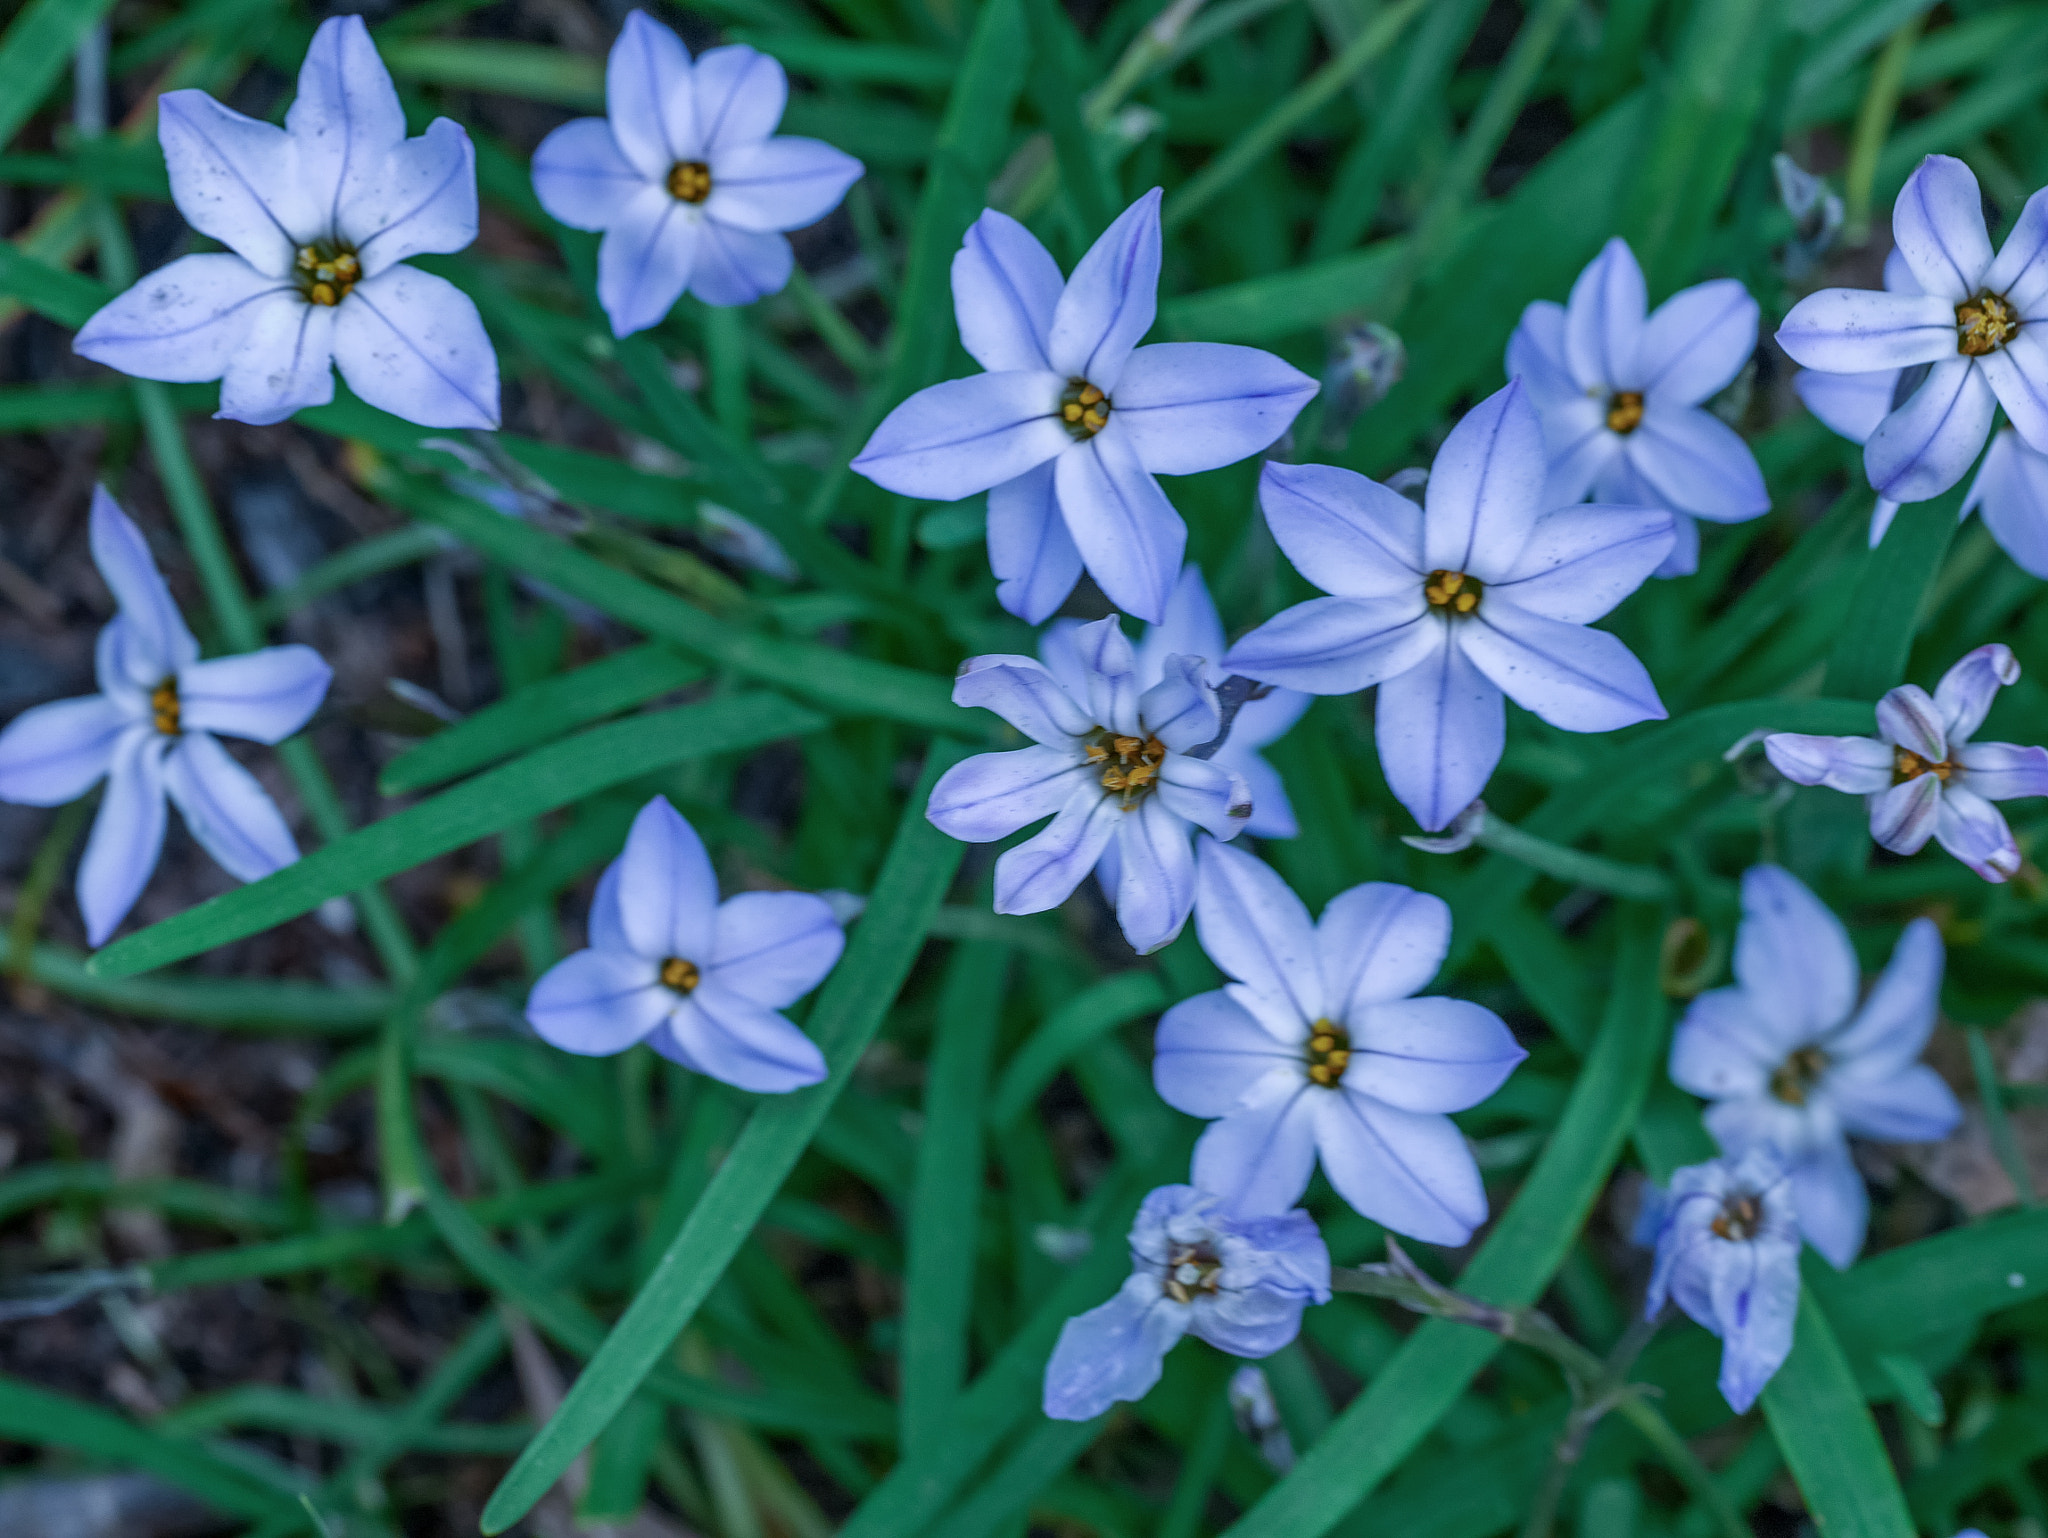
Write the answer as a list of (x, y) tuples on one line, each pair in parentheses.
[(1923, 776), (700, 981), (151, 733), (1073, 420), (1728, 1254), (687, 177), (1794, 1064), (1619, 391), (318, 217), (1973, 323), (1449, 606), (1240, 1284), (1315, 1050), (1111, 765)]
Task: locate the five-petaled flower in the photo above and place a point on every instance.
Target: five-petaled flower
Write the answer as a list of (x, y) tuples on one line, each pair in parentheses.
[(1111, 766), (1794, 1064), (318, 217), (1316, 1048), (151, 732), (1922, 775), (1238, 1283), (700, 981), (1449, 606), (1192, 628), (1971, 325), (1073, 420), (1619, 391), (686, 176), (1728, 1254)]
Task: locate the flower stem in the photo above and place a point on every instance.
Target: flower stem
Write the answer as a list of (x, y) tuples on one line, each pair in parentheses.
[(1639, 883)]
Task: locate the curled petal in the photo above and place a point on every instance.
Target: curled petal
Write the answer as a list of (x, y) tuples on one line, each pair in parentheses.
[(580, 176), (1256, 929), (1907, 718), (779, 184), (1024, 692), (158, 639), (1429, 1054), (1113, 1352), (236, 179), (1793, 958), (127, 835), (264, 696), (2011, 491), (1696, 463), (413, 344), (650, 97), (1963, 697), (1923, 448), (1272, 813), (1258, 1159), (739, 97), (1111, 299), (1914, 1105), (1582, 561), (1339, 645), (1379, 942), (2018, 376), (285, 361), (1938, 225), (1030, 551), (1348, 535), (1005, 289), (1254, 1322), (1043, 871), (1696, 342), (668, 895), (1862, 330), (774, 947), (1861, 766), (1406, 1170), (1128, 534), (1604, 320), (346, 123), (992, 795), (2002, 771), (736, 266), (966, 435), (1484, 488), (1191, 406), (1849, 404), (645, 260), (1975, 832), (1902, 818), (1155, 889), (1755, 1292), (1440, 727), (1575, 678), (1210, 1053), (598, 1002), (731, 1038), (182, 323), (57, 752), (231, 815)]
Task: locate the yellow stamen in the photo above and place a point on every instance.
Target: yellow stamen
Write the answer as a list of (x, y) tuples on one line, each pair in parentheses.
[(1984, 324), (330, 272), (1130, 765), (1793, 1080), (1329, 1053), (689, 181), (1084, 409), (1625, 411), (163, 704), (1908, 765), (1453, 590), (1191, 1269), (1741, 1217), (680, 975)]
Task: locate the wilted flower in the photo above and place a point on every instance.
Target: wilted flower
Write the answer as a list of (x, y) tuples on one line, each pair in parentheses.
[(1728, 1254), (1315, 1049), (1794, 1064), (1073, 420), (1922, 775), (1619, 392), (151, 732), (1111, 766), (1240, 1284), (318, 217), (699, 980), (1968, 322), (684, 178), (1816, 212), (1448, 606)]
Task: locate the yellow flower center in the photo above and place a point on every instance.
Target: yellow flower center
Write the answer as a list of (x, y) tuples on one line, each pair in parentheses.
[(680, 976), (1985, 324), (689, 181), (1908, 765), (1625, 411), (1130, 765), (1329, 1053), (1741, 1216), (163, 704), (1453, 592), (1190, 1269), (1793, 1080), (1084, 409), (327, 271)]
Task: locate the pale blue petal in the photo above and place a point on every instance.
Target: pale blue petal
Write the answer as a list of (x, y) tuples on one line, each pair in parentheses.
[(737, 266), (158, 637), (127, 835), (55, 753), (1111, 664), (1975, 832), (1440, 727), (413, 344), (231, 815), (1111, 299), (1155, 888), (1725, 1048), (1043, 871), (1793, 958), (1430, 1055), (1965, 694), (1113, 1352), (182, 323), (1348, 535), (598, 1002), (1755, 1289), (1938, 226), (581, 178), (1696, 342), (992, 795), (2018, 376), (779, 184), (2002, 771), (1406, 1170), (1339, 645), (1577, 679), (2020, 270), (1914, 1105), (966, 435), (650, 97), (1582, 561), (1192, 406), (1485, 488), (237, 180), (722, 1033), (1696, 463), (264, 695), (1925, 446), (2011, 491), (740, 96), (346, 122), (646, 257), (1861, 766), (774, 947), (1272, 812), (1025, 693), (1209, 1054), (423, 200), (1006, 287), (284, 363), (1833, 1206), (1604, 320), (1536, 355), (1258, 1159), (1129, 535), (1908, 719), (668, 894), (1257, 930), (1379, 942), (1903, 818), (1035, 561), (1253, 1323), (1849, 404), (1862, 330)]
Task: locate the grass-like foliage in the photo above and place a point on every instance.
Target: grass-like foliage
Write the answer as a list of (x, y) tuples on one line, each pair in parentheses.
[(309, 1223)]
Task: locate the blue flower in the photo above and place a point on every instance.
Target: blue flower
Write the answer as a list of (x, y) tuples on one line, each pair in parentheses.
[(1970, 317), (1728, 1254), (1449, 606), (1240, 1284), (1619, 390), (151, 733), (699, 980), (1794, 1064), (318, 217), (684, 177), (1922, 775), (1073, 420), (1315, 1050)]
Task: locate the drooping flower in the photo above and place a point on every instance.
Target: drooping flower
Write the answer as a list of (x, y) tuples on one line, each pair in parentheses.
[(318, 217), (153, 731), (1970, 324), (1238, 1283), (1449, 606), (687, 176), (1315, 1049), (700, 981), (1922, 775), (1111, 766), (1794, 1065), (1073, 420), (1728, 1254), (1619, 392), (1192, 628)]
